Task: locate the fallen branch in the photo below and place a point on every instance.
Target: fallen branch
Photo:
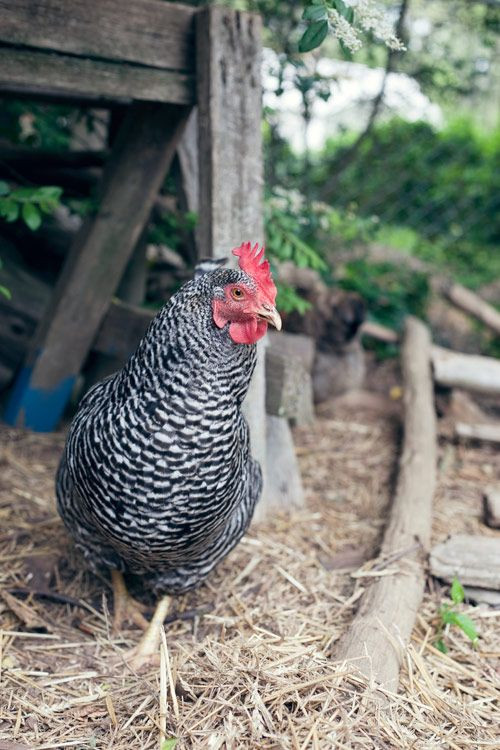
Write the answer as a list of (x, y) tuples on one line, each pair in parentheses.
[(487, 433), (472, 304), (469, 371), (382, 626)]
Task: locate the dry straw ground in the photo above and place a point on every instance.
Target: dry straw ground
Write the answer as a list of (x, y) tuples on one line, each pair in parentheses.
[(248, 661)]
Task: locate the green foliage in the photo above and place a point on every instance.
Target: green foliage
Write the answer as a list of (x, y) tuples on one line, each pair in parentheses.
[(435, 193), (169, 744), (390, 291), (27, 123), (170, 228), (449, 615), (28, 203)]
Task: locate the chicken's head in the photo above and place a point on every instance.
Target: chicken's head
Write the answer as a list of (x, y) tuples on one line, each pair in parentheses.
[(248, 301)]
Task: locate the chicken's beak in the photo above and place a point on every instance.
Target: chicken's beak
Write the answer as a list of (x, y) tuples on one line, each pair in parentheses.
[(270, 314)]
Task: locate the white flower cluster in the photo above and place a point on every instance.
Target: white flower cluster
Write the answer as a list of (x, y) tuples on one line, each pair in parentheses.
[(374, 18), (343, 30), (371, 17)]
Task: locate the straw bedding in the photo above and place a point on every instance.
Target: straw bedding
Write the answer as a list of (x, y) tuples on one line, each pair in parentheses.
[(246, 662)]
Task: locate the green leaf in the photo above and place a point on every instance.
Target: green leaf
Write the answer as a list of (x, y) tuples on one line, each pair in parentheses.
[(457, 592), (169, 744), (9, 209), (4, 188), (315, 13), (467, 626), (345, 10), (49, 192), (313, 36), (31, 216), (441, 646)]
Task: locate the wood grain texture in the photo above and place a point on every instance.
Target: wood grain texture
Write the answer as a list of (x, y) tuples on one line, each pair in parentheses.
[(38, 73), (141, 156), (374, 644), (229, 140), (469, 371), (474, 560), (149, 32)]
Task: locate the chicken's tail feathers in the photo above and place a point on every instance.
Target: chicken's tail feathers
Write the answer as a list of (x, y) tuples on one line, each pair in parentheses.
[(207, 265)]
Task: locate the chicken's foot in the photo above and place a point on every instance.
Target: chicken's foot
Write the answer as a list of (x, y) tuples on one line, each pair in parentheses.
[(126, 608), (148, 647)]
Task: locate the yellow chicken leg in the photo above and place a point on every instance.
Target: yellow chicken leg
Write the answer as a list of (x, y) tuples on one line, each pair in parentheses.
[(126, 608), (148, 647)]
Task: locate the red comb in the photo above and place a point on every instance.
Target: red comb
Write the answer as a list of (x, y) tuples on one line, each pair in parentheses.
[(252, 263)]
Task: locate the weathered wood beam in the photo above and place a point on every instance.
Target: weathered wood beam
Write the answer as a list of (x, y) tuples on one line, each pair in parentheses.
[(474, 560), (374, 643), (469, 371), (141, 156), (148, 32), (229, 134), (98, 82), (483, 432)]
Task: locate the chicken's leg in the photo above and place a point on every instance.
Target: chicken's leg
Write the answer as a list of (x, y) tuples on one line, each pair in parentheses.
[(126, 608), (148, 646)]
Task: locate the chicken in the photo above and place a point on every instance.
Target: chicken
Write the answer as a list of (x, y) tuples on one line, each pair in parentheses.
[(156, 477)]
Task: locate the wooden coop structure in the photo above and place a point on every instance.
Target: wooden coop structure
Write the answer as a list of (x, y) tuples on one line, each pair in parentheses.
[(162, 61)]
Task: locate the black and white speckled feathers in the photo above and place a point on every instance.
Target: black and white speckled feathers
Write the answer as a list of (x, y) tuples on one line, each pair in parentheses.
[(157, 476)]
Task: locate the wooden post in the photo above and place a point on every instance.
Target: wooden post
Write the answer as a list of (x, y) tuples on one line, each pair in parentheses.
[(230, 158), (138, 164)]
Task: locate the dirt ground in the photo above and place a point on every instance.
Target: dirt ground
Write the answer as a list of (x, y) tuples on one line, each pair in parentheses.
[(248, 654)]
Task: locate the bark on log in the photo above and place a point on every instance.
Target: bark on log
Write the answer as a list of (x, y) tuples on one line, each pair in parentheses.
[(382, 626), (473, 304), (469, 371)]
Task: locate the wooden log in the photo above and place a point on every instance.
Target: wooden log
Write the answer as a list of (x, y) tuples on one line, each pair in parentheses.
[(474, 560), (228, 54), (147, 32), (289, 391), (375, 642), (491, 506), (379, 332), (98, 82), (140, 159), (487, 433), (471, 303), (468, 371)]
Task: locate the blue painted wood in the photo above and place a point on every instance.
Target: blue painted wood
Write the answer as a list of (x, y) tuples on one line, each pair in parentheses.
[(39, 409)]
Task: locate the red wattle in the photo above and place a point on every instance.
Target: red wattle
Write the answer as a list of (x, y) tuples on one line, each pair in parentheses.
[(247, 332)]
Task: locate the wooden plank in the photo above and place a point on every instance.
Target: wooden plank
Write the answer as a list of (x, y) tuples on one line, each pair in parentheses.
[(484, 432), (149, 32), (469, 371), (228, 54), (474, 560), (375, 641), (94, 81), (229, 133), (141, 156)]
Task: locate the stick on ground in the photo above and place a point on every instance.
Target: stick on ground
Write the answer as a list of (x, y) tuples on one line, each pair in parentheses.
[(382, 626)]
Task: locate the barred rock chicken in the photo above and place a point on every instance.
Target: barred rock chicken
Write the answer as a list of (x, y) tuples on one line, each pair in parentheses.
[(157, 478)]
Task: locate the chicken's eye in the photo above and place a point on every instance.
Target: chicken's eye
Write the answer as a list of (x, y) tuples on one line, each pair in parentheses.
[(237, 293)]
